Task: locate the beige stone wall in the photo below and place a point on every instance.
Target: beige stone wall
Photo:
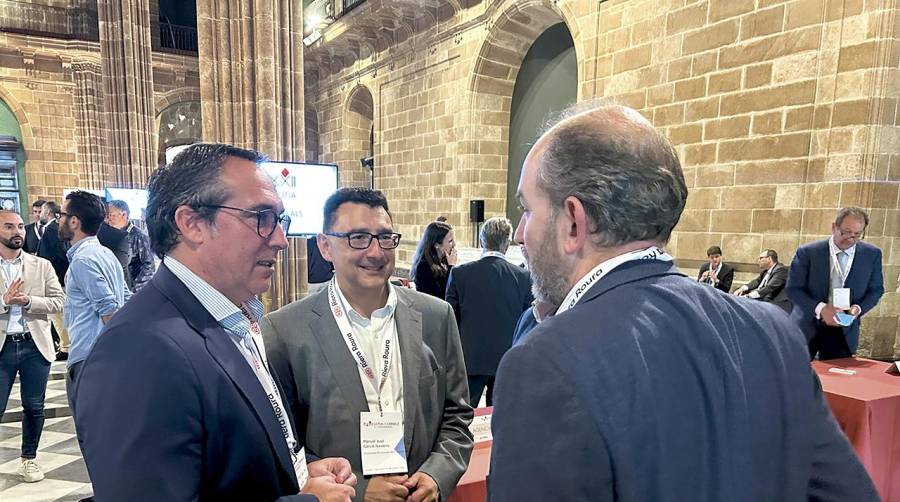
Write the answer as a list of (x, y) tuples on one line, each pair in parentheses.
[(781, 111)]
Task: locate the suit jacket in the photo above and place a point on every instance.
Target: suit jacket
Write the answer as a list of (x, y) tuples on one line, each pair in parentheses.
[(117, 241), (141, 266), (810, 283), (52, 248), (488, 296), (319, 269), (655, 387), (31, 238), (428, 283), (726, 276), (322, 384), (773, 291), (47, 297), (168, 408)]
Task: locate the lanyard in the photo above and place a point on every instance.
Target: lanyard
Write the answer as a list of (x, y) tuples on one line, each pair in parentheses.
[(576, 293), (259, 367), (842, 275), (340, 317)]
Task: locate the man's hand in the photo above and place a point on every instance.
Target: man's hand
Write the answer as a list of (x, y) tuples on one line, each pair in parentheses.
[(326, 490), (14, 295), (705, 276), (828, 315), (855, 310), (740, 292), (422, 488), (386, 489), (337, 468)]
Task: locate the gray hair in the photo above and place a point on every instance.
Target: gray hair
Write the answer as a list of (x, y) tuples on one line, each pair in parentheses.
[(625, 173), (495, 234), (856, 212)]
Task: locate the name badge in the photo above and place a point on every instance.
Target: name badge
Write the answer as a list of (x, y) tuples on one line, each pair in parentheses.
[(300, 468), (381, 443), (841, 298)]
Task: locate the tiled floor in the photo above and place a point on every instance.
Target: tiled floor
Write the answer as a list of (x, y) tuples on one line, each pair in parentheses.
[(58, 454)]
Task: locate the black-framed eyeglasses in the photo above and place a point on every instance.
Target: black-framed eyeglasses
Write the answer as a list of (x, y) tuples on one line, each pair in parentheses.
[(852, 235), (266, 219), (362, 240)]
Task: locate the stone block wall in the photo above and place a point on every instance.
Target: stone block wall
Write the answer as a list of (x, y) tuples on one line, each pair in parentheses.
[(782, 111)]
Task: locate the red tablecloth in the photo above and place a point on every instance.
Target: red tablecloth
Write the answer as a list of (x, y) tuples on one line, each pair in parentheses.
[(472, 487), (867, 406)]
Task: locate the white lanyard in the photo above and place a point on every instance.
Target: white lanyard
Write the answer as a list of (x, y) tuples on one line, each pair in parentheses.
[(651, 253), (842, 275), (258, 365), (340, 317)]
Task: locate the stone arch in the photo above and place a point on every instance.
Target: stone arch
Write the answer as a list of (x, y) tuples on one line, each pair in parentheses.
[(516, 26), (176, 96), (27, 174), (358, 122), (178, 124), (22, 117)]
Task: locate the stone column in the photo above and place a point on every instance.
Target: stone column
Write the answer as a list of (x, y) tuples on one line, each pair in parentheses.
[(251, 95), (126, 56), (89, 131)]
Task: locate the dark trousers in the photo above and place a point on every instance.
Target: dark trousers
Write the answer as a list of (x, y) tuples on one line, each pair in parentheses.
[(829, 343), (477, 383), (71, 380), (25, 358)]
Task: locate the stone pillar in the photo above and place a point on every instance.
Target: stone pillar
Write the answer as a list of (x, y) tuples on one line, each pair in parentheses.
[(126, 57), (89, 131), (251, 95)]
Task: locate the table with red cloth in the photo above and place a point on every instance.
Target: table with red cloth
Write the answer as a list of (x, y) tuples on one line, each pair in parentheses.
[(867, 406), (472, 487)]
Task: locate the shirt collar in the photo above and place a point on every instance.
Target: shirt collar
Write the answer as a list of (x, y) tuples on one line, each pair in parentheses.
[(82, 243), (495, 254), (15, 261), (382, 313), (835, 250)]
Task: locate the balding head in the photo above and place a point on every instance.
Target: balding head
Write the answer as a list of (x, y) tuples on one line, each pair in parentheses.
[(624, 172)]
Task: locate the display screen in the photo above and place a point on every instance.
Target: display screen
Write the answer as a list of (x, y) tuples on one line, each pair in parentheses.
[(303, 189), (135, 198)]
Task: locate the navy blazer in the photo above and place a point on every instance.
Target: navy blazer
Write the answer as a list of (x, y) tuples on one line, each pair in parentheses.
[(810, 282), (655, 387), (488, 296), (53, 249), (168, 408)]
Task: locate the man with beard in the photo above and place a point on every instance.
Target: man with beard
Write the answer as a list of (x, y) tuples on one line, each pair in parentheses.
[(52, 249), (364, 361), (645, 384), (30, 292), (95, 283), (34, 229)]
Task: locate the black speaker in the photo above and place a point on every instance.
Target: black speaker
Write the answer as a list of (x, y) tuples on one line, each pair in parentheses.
[(476, 211)]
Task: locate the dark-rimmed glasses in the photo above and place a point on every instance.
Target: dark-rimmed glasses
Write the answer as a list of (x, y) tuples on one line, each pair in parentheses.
[(362, 240), (266, 219)]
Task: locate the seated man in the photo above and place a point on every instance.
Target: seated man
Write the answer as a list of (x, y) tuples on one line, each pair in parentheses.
[(769, 286), (716, 272), (366, 363)]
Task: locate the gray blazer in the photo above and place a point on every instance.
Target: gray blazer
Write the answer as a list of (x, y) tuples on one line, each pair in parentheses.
[(324, 392)]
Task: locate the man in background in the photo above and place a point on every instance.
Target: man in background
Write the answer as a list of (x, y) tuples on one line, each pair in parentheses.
[(716, 272), (769, 285), (140, 267), (488, 296), (53, 249), (34, 229)]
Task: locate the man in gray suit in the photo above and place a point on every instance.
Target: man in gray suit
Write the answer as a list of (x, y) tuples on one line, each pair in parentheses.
[(334, 351)]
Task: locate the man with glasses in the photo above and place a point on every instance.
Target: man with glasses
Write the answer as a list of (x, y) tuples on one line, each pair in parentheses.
[(373, 372), (177, 400), (769, 285), (833, 283)]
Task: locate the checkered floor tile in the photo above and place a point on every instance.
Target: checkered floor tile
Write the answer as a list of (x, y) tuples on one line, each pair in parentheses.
[(58, 454)]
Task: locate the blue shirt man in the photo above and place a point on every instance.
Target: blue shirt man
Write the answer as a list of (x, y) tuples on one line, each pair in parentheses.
[(95, 282)]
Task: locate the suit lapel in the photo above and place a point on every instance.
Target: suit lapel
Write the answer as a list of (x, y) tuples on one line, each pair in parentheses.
[(409, 333), (227, 355), (343, 367)]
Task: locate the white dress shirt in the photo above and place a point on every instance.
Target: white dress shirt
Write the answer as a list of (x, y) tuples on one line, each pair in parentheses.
[(11, 271)]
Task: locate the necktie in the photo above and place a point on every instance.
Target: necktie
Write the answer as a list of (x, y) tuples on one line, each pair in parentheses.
[(842, 261)]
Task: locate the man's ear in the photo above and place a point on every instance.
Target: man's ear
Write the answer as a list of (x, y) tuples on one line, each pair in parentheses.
[(574, 217), (192, 227), (324, 247)]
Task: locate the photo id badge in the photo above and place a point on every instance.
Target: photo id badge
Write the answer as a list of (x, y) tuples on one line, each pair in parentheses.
[(300, 468), (841, 298), (381, 443)]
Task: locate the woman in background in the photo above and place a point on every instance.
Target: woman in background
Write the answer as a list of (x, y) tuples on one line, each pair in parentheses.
[(435, 255)]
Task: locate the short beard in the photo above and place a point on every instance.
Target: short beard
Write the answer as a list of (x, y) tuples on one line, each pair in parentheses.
[(550, 283), (12, 245)]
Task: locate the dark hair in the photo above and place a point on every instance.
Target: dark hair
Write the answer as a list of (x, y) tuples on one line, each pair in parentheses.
[(88, 208), (191, 179), (53, 207), (358, 195), (623, 170), (442, 219), (856, 212), (434, 234), (121, 205), (714, 250), (772, 254), (38, 203)]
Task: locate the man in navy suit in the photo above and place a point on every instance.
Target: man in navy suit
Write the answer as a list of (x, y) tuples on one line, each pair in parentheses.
[(488, 296), (646, 385), (838, 274), (176, 401)]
